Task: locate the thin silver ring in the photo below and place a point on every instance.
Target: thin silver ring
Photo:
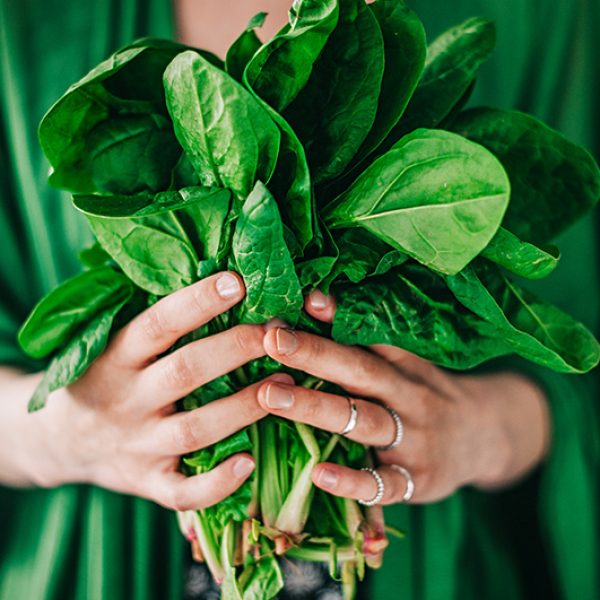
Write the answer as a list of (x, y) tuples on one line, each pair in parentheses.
[(399, 430), (380, 488), (352, 419), (410, 484)]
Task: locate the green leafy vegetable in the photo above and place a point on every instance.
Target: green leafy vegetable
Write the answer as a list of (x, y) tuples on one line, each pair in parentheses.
[(229, 138), (263, 260), (554, 182), (337, 156), (519, 257), (435, 196), (334, 112), (282, 66)]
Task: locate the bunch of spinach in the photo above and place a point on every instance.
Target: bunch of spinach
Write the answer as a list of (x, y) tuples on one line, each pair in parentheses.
[(336, 155)]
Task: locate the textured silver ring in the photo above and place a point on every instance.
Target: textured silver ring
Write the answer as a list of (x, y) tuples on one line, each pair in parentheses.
[(380, 488), (399, 430), (352, 419), (410, 484)]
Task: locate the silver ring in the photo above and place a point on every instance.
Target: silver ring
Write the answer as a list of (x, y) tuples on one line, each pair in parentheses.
[(352, 419), (380, 488), (410, 484), (399, 430)]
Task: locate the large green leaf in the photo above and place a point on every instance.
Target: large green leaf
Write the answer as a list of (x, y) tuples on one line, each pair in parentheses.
[(412, 308), (145, 205), (58, 315), (228, 136), (532, 328), (291, 181), (553, 181), (453, 60), (281, 68), (520, 257), (242, 50), (154, 252), (126, 84), (405, 50), (435, 196), (123, 155), (335, 111), (261, 257), (77, 355)]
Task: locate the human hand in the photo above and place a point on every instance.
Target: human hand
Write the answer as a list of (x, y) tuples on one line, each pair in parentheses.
[(116, 427), (484, 430)]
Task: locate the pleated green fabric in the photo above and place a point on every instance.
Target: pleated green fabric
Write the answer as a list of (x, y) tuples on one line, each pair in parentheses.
[(538, 539)]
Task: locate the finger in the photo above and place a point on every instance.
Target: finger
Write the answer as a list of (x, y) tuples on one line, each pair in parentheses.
[(409, 363), (355, 369), (323, 308), (188, 431), (360, 485), (178, 492), (156, 329), (374, 425), (320, 306), (183, 371)]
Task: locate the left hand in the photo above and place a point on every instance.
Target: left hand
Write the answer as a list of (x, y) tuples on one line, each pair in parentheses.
[(485, 430)]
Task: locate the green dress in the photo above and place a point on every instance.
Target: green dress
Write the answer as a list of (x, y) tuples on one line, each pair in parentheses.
[(541, 538)]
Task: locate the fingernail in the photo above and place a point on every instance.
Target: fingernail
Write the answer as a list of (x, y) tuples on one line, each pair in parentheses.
[(318, 300), (279, 397), (287, 342), (243, 467), (274, 323), (228, 286), (327, 478)]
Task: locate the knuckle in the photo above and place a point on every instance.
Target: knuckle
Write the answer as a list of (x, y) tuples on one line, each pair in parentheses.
[(371, 418), (421, 403), (247, 339), (364, 366), (151, 323), (178, 500), (186, 435), (311, 348), (202, 298), (177, 371)]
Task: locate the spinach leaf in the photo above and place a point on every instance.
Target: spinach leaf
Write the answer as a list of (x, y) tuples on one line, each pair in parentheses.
[(100, 96), (244, 48), (282, 66), (261, 257), (228, 136), (123, 155), (452, 61), (519, 257), (405, 50), (78, 354), (334, 112), (154, 252), (363, 255), (94, 256), (553, 181), (434, 196), (291, 181), (144, 205), (412, 308), (532, 328), (57, 317)]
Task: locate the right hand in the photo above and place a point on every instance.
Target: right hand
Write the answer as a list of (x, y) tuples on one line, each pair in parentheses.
[(116, 427)]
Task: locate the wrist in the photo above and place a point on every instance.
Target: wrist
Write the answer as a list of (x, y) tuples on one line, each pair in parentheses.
[(51, 459), (511, 428)]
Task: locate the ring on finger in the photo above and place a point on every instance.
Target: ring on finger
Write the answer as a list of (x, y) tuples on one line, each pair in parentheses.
[(352, 419), (410, 484), (398, 436), (380, 488)]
